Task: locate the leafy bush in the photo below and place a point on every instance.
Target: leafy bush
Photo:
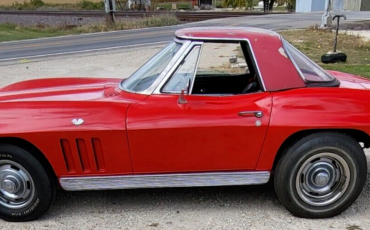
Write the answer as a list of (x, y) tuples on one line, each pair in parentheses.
[(31, 5), (89, 5), (239, 3), (249, 4), (183, 6), (290, 5), (37, 3)]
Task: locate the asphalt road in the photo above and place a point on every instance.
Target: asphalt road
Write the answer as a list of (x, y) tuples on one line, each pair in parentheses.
[(36, 48)]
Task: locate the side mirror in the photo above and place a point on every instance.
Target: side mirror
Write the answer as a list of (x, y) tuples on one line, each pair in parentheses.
[(184, 91)]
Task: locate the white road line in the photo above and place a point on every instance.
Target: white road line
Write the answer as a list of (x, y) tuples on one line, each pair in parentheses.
[(83, 51)]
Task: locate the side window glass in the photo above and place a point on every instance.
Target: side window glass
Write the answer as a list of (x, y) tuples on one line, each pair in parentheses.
[(221, 59), (225, 69), (186, 71)]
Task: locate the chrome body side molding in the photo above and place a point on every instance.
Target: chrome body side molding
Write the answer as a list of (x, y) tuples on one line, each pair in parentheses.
[(164, 180)]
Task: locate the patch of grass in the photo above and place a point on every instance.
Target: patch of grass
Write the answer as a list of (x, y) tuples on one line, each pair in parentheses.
[(154, 21), (219, 4), (280, 8), (11, 32), (89, 5), (168, 5), (315, 42), (360, 70), (41, 5)]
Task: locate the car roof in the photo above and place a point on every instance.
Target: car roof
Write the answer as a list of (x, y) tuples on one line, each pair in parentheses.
[(225, 33), (275, 68)]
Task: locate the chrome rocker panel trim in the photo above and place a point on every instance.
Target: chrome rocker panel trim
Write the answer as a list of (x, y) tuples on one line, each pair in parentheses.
[(164, 180)]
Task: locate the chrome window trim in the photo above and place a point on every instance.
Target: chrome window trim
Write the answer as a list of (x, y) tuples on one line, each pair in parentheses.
[(188, 44), (148, 91), (164, 180), (178, 68), (199, 40), (234, 40), (196, 69), (175, 66)]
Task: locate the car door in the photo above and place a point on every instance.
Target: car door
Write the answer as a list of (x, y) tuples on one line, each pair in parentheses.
[(205, 134), (173, 133)]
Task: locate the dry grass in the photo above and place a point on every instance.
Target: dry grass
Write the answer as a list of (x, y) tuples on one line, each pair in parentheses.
[(11, 2), (42, 5), (134, 23), (10, 32), (315, 42)]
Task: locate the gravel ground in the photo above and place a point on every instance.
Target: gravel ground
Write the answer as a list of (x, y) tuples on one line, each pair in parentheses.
[(118, 63), (31, 20), (241, 207)]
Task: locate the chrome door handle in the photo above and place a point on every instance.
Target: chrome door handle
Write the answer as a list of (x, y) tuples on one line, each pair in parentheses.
[(257, 114)]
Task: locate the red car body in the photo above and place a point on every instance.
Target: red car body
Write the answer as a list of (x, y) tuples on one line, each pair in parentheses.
[(125, 133), (40, 112)]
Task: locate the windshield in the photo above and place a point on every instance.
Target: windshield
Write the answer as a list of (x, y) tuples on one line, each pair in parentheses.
[(144, 77), (309, 70)]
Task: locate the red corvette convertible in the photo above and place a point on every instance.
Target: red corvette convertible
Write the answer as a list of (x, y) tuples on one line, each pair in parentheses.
[(216, 107)]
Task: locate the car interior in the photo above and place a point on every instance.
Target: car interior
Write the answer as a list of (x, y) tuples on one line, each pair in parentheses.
[(220, 69), (229, 83)]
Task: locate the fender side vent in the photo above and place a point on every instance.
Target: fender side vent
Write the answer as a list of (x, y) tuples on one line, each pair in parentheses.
[(67, 154), (82, 152), (98, 154)]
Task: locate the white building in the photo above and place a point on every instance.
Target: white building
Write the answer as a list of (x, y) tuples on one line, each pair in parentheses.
[(319, 5), (309, 5)]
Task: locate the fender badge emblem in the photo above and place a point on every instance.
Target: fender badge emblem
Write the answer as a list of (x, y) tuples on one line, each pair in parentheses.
[(78, 121)]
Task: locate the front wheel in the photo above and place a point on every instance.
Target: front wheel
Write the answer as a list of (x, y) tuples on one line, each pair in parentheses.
[(26, 189), (321, 175)]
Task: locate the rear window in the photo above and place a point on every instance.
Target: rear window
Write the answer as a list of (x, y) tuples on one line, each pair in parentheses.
[(308, 69)]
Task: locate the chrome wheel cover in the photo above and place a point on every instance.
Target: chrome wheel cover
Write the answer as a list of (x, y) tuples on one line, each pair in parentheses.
[(323, 179), (16, 185)]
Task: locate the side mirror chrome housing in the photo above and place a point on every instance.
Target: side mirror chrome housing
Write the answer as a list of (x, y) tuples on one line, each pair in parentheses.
[(182, 99)]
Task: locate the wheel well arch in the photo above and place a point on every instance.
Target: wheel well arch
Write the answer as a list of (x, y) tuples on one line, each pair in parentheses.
[(32, 149), (358, 135)]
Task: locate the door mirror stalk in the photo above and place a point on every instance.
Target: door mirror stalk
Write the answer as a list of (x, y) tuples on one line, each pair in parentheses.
[(182, 99)]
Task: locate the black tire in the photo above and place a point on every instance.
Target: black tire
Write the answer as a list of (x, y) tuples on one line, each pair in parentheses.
[(26, 189), (333, 58), (320, 175)]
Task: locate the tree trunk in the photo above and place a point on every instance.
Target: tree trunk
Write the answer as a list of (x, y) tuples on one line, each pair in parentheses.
[(265, 5), (271, 5), (268, 5)]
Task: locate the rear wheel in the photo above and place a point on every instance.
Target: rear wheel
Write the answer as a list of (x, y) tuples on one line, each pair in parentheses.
[(321, 175), (26, 190)]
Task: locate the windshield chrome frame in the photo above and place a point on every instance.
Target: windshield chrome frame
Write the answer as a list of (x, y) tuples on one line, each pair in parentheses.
[(188, 43), (176, 65), (163, 74)]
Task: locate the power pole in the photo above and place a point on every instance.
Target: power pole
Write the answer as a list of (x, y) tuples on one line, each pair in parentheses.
[(326, 20), (110, 9), (335, 6)]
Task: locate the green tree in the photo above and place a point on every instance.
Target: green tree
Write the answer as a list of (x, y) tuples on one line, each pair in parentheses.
[(249, 4), (234, 3), (268, 5), (290, 5)]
